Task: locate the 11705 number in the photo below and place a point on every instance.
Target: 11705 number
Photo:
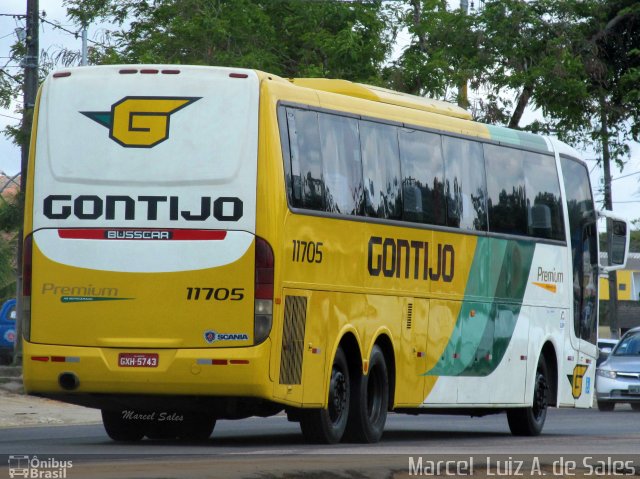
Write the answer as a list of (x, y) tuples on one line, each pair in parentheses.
[(215, 294), (307, 251)]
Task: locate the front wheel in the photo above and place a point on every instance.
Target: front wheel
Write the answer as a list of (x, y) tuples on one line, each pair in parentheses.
[(370, 401), (606, 405), (529, 421), (327, 426)]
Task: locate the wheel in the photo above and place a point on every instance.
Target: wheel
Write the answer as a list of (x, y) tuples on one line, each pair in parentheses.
[(635, 406), (120, 429), (369, 401), (606, 406), (162, 430), (529, 421), (197, 427), (327, 426)]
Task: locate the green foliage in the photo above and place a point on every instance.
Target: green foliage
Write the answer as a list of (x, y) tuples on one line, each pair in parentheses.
[(577, 61), (634, 242), (291, 38), (10, 223)]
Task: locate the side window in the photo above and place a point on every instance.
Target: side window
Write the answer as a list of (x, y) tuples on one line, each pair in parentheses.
[(422, 177), (584, 248), (307, 185), (341, 164), (465, 184), (506, 190), (544, 210), (381, 170)]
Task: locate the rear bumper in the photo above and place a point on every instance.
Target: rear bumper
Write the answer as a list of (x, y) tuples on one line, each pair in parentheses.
[(239, 372)]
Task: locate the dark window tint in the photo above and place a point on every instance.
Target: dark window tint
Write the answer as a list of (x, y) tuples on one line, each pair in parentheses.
[(307, 186), (342, 167), (584, 253), (422, 177), (381, 170), (465, 184), (544, 210), (506, 190)]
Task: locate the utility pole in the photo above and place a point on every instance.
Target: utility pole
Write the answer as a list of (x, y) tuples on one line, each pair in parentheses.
[(463, 93), (83, 59), (608, 205), (30, 90)]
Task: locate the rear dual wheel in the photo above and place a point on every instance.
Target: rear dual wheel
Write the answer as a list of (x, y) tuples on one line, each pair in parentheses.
[(368, 413), (357, 404), (327, 426)]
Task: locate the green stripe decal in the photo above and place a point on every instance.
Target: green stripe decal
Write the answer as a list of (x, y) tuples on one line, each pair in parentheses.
[(517, 138), (500, 270), (88, 299)]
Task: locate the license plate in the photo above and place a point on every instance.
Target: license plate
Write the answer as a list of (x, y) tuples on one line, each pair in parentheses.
[(634, 389), (138, 360)]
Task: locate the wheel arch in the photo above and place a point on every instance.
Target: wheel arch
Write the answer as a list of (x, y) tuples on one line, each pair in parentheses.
[(353, 352), (550, 356)]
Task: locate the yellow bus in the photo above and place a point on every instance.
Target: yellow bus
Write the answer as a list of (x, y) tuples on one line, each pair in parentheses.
[(208, 243)]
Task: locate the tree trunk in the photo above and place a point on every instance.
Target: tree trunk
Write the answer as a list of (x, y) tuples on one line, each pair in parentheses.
[(523, 101)]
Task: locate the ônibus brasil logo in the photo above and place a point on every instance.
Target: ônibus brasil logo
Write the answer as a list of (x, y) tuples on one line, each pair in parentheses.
[(140, 121)]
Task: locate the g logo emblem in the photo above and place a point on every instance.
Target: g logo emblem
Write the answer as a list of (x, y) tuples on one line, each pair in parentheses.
[(140, 121), (578, 375)]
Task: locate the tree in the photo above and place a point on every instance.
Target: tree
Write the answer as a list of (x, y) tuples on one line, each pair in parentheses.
[(576, 61), (349, 40)]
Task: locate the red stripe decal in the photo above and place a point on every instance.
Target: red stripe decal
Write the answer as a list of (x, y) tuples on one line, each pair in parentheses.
[(141, 234)]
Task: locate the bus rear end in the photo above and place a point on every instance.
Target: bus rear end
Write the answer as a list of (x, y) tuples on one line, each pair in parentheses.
[(146, 288)]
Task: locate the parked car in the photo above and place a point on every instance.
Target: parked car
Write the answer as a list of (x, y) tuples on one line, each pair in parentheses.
[(605, 346), (618, 378), (7, 331)]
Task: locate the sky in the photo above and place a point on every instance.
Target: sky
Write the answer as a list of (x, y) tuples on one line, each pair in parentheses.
[(625, 184)]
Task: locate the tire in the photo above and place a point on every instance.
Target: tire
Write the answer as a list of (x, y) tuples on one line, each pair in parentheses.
[(197, 427), (635, 406), (162, 430), (327, 426), (606, 405), (369, 401), (529, 421), (119, 429)]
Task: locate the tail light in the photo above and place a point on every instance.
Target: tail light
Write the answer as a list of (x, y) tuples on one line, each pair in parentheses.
[(27, 268), (263, 303)]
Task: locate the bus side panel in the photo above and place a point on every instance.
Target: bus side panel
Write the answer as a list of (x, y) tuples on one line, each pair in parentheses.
[(411, 358)]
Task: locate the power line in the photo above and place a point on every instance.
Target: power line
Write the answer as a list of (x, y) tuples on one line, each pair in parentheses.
[(76, 34), (12, 117), (625, 176)]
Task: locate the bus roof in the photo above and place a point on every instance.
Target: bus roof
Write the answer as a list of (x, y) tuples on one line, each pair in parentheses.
[(383, 95)]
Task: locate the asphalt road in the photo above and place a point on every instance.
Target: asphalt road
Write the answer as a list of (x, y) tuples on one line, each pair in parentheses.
[(273, 448)]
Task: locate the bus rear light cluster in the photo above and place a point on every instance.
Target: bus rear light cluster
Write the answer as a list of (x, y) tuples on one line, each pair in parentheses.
[(27, 268), (263, 303), (222, 362), (56, 359), (148, 71)]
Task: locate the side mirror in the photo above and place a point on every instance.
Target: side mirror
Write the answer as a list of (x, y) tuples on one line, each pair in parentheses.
[(617, 246)]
